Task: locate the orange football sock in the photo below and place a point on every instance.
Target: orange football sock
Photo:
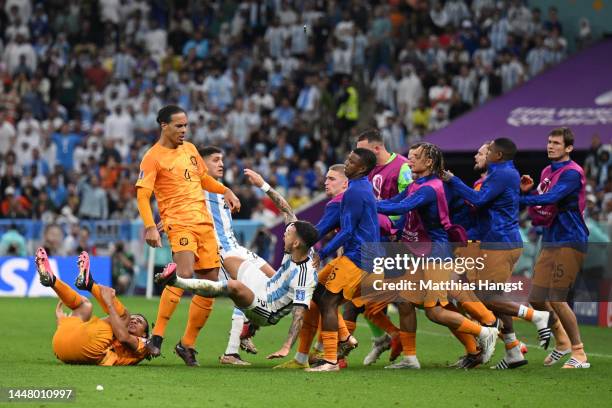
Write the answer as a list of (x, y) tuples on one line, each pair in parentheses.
[(383, 322), (512, 344), (468, 341), (351, 326), (199, 310), (309, 328), (470, 327), (95, 291), (408, 340), (343, 331), (330, 346), (479, 312), (529, 314), (68, 296), (168, 302)]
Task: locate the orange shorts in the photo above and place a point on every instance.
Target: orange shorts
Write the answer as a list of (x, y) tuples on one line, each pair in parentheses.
[(343, 276), (435, 275), (79, 342), (199, 239), (375, 293), (498, 265), (374, 308), (469, 253), (557, 267)]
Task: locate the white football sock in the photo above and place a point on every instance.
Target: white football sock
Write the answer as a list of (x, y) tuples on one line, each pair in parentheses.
[(233, 343)]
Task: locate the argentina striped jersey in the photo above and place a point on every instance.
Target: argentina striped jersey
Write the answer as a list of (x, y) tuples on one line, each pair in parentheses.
[(222, 218), (292, 284)]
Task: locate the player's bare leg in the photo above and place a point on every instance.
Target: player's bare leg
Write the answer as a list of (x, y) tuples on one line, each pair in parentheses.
[(570, 324)]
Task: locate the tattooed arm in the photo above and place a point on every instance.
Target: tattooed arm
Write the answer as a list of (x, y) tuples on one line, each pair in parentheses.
[(296, 325), (280, 203)]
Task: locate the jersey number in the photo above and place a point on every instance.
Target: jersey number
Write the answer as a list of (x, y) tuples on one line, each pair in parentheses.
[(187, 175)]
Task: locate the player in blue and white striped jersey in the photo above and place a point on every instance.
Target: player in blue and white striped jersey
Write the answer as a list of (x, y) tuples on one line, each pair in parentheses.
[(230, 247), (263, 299)]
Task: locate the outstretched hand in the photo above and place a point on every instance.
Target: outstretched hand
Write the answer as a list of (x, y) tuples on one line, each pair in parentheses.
[(279, 354), (254, 178)]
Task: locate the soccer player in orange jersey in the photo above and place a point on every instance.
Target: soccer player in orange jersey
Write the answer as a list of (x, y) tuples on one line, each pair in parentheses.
[(81, 338), (174, 170)]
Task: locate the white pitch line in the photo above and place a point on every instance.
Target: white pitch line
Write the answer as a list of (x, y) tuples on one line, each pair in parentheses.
[(436, 334)]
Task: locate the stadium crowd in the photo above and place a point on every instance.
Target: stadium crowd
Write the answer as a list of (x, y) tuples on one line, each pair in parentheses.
[(279, 85)]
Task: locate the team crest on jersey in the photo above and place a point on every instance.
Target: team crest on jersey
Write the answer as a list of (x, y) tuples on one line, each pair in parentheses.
[(193, 161), (300, 295), (141, 175), (183, 241)]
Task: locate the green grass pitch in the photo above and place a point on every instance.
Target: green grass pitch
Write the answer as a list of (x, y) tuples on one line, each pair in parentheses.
[(26, 360)]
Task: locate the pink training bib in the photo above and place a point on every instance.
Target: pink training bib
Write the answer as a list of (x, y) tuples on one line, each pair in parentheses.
[(545, 214), (415, 235)]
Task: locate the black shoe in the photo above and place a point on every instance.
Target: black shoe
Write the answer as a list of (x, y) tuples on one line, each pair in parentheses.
[(153, 345), (471, 361), (187, 354)]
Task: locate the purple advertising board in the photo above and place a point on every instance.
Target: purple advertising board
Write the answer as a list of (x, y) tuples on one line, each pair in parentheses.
[(576, 93)]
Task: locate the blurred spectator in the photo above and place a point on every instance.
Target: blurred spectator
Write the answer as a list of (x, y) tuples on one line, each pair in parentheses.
[(585, 36), (53, 238), (263, 244), (122, 268), (14, 205), (12, 243), (94, 200), (65, 143), (84, 242)]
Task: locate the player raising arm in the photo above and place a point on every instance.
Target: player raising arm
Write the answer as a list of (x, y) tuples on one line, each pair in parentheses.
[(265, 300)]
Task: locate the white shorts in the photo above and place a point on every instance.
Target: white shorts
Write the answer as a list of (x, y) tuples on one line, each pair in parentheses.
[(253, 278), (243, 253)]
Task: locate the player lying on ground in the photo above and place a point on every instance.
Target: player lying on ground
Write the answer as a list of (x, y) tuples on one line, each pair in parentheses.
[(80, 337), (265, 300)]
